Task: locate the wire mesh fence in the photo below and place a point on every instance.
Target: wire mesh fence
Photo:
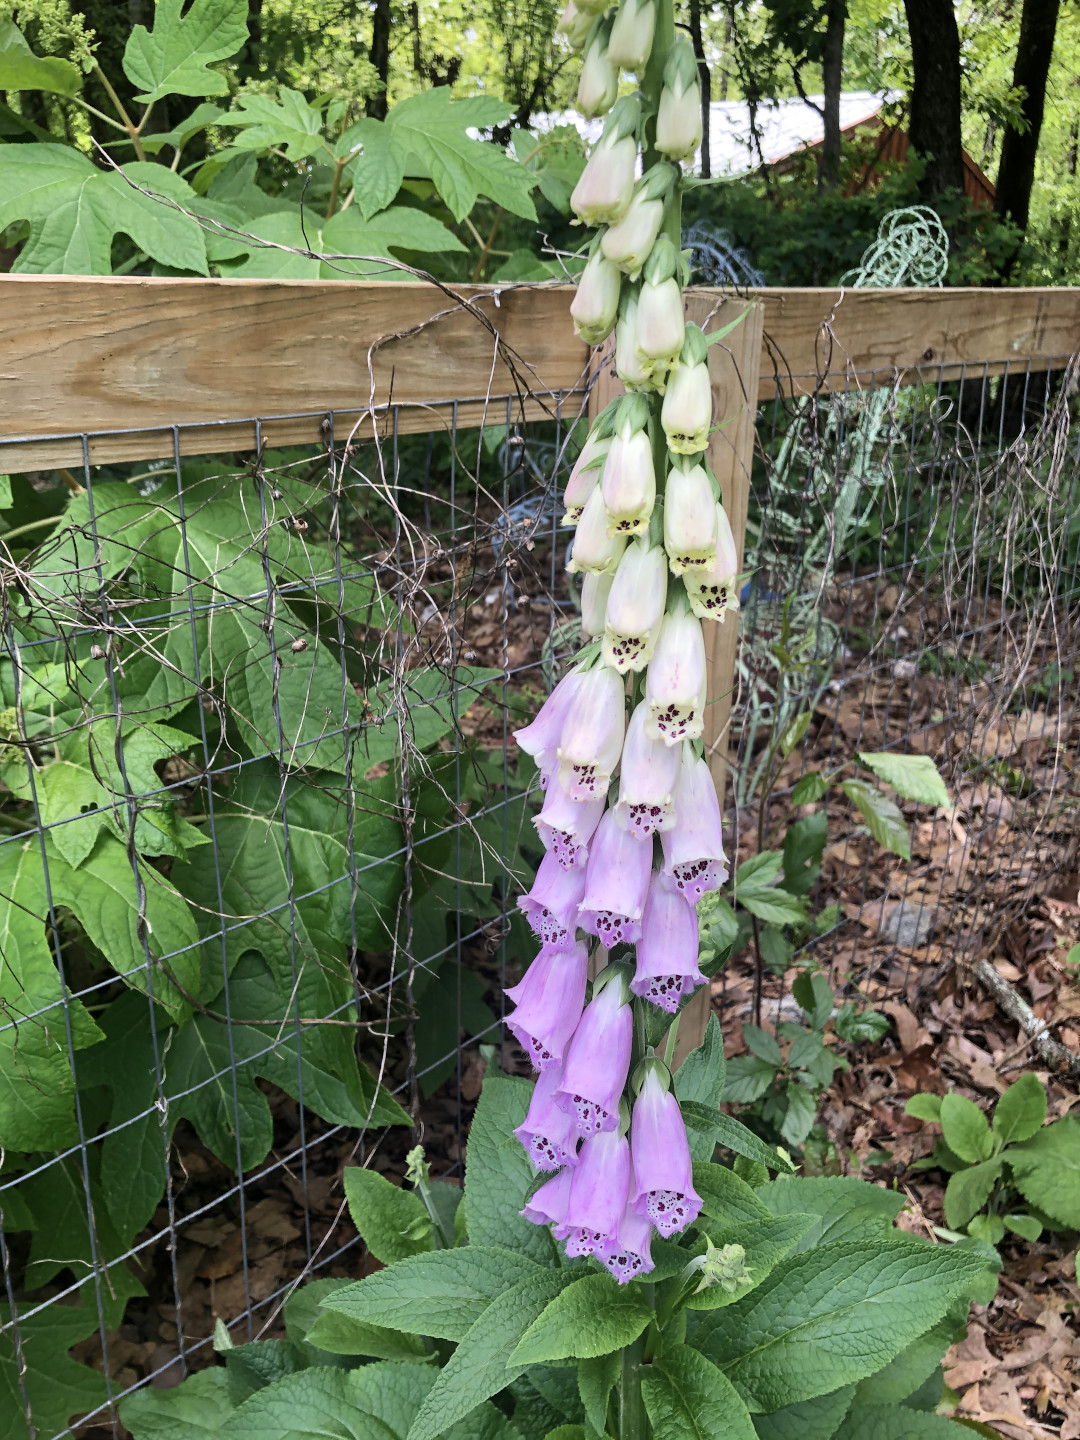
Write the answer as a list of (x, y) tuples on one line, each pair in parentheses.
[(264, 825)]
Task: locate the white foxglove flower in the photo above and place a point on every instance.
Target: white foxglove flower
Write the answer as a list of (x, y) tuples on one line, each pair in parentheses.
[(584, 477), (629, 480), (690, 522), (660, 328), (594, 548), (595, 590), (675, 680), (635, 608), (595, 306), (632, 35), (629, 243), (591, 739), (575, 24), (678, 121), (598, 84), (714, 591), (605, 188), (634, 373), (648, 774), (687, 410)]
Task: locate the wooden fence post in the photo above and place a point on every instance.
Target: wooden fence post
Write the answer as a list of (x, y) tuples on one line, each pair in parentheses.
[(735, 367)]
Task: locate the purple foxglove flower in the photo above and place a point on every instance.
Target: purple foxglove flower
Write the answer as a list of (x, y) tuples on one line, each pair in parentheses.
[(540, 738), (551, 905), (548, 1004), (662, 1189), (584, 478), (596, 1064), (675, 681), (548, 1133), (647, 780), (667, 953), (632, 35), (629, 482), (630, 1255), (690, 520), (635, 607), (599, 1187), (595, 306), (595, 590), (548, 1205), (694, 846), (594, 548), (566, 826), (616, 883), (714, 591), (686, 414), (592, 735)]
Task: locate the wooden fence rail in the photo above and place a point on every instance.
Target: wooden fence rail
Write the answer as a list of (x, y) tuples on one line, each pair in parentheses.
[(85, 356)]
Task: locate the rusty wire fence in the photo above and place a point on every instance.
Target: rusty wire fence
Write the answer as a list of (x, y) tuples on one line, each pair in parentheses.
[(264, 826)]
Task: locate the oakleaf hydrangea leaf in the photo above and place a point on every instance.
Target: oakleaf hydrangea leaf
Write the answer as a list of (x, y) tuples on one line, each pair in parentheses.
[(172, 58)]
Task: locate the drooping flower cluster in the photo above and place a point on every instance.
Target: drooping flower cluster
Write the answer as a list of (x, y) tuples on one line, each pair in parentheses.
[(630, 819)]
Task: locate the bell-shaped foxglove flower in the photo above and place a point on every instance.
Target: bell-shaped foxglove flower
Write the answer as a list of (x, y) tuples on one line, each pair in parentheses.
[(678, 121), (548, 1004), (690, 522), (675, 679), (595, 590), (667, 953), (605, 188), (598, 1059), (548, 1205), (661, 328), (714, 591), (630, 1255), (686, 414), (548, 1133), (551, 906), (635, 607), (566, 826), (585, 476), (616, 883), (595, 548), (575, 24), (694, 846), (599, 1187), (662, 1189), (629, 480), (592, 735), (647, 780), (629, 243), (598, 83), (540, 738), (634, 372), (595, 306), (632, 35)]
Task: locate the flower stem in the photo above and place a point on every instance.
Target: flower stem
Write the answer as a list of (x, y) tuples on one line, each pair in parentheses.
[(633, 1421)]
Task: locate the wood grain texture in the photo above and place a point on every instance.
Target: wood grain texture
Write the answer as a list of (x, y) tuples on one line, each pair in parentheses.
[(106, 354)]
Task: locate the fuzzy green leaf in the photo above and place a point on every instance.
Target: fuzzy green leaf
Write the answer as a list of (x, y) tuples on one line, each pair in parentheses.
[(1046, 1169), (965, 1129), (700, 1078), (748, 1077), (379, 1401), (392, 1222), (915, 777), (847, 1209), (883, 819), (727, 1198), (732, 1134), (809, 788), (172, 58), (833, 1315), (497, 1172), (688, 1398), (343, 1335), (924, 1107), (193, 1410), (1020, 1112), (596, 1380), (815, 1419), (592, 1317), (764, 1045), (897, 1422), (968, 1191)]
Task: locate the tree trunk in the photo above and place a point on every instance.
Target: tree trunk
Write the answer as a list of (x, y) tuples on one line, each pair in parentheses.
[(832, 75), (1016, 168), (729, 33), (380, 57), (934, 130), (417, 52), (705, 81)]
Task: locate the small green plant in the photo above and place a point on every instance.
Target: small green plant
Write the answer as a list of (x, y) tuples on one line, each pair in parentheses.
[(1011, 1173), (782, 1086)]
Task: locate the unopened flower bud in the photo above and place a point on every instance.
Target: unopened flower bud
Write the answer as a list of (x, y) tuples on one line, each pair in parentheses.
[(675, 680), (678, 121), (594, 548), (584, 477), (723, 1265), (632, 35), (595, 590), (595, 306), (690, 520), (575, 24), (635, 607), (598, 84)]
